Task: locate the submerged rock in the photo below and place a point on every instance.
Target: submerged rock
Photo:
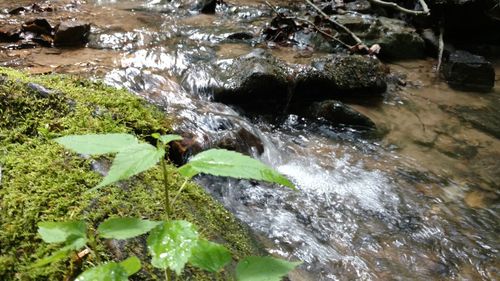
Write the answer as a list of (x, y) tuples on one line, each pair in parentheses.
[(255, 83), (340, 76), (71, 33), (465, 71), (339, 114)]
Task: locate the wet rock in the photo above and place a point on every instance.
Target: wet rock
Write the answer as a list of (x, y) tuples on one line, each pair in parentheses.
[(180, 151), (35, 8), (466, 71), (71, 33), (39, 89), (242, 141), (360, 6), (339, 114), (396, 38), (340, 76), (9, 34), (38, 26), (240, 36), (254, 83)]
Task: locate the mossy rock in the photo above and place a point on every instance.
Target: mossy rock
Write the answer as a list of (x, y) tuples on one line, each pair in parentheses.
[(40, 181)]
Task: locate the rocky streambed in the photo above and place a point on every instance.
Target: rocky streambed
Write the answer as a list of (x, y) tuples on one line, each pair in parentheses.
[(396, 163)]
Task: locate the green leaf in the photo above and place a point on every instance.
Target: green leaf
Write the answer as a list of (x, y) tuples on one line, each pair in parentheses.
[(170, 244), (221, 162), (131, 265), (110, 271), (263, 269), (132, 161), (71, 245), (210, 256), (97, 144), (56, 232), (124, 228), (165, 139)]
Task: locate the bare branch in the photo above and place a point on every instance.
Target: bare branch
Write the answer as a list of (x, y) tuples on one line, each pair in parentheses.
[(337, 24), (313, 25), (425, 8)]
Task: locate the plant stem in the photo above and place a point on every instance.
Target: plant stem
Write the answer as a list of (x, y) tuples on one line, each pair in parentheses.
[(167, 274), (93, 245), (166, 186), (179, 192)]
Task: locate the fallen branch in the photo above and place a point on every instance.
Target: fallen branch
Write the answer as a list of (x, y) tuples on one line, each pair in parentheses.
[(340, 26), (425, 8), (311, 24), (326, 34)]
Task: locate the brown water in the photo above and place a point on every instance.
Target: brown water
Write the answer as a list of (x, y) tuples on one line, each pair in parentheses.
[(419, 203)]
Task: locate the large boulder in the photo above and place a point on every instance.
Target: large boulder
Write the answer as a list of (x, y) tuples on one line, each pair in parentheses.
[(71, 33), (254, 83), (465, 71), (340, 77)]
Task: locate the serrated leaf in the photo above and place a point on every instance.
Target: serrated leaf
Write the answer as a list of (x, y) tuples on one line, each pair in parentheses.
[(132, 161), (165, 139), (131, 265), (57, 232), (71, 245), (124, 228), (221, 162), (170, 244), (110, 271), (210, 256), (263, 269), (94, 144)]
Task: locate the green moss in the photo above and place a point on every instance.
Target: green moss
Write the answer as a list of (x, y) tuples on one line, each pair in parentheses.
[(43, 182)]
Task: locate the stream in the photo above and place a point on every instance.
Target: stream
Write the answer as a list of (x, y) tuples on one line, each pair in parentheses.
[(419, 202)]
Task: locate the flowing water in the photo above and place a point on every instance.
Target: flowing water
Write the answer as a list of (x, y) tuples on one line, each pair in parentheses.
[(419, 203)]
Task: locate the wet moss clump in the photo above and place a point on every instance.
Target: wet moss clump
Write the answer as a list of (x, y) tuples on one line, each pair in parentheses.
[(40, 181)]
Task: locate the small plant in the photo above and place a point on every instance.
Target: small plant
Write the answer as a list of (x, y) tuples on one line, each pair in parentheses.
[(171, 243)]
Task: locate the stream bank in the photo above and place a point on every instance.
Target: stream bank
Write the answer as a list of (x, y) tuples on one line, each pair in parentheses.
[(40, 181)]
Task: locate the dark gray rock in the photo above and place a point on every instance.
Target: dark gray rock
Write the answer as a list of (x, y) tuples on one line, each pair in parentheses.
[(340, 77), (465, 71), (71, 33), (399, 41), (39, 89), (396, 38), (242, 141), (339, 114), (254, 82)]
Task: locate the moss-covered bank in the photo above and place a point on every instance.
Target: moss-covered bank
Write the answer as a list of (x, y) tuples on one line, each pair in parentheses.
[(40, 181)]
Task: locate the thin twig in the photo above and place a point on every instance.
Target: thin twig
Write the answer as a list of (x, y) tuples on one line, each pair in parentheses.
[(441, 50), (425, 8), (310, 23), (272, 8), (337, 24), (325, 33)]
